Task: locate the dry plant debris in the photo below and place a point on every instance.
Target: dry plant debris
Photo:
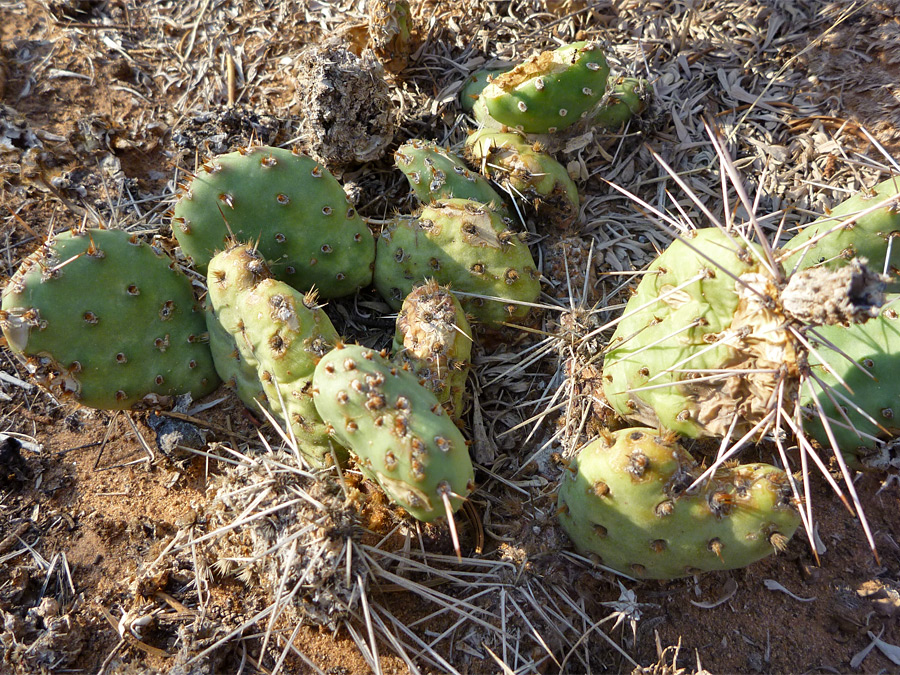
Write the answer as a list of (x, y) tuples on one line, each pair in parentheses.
[(105, 104)]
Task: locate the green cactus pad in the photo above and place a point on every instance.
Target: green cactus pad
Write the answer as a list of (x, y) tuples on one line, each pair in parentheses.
[(287, 204), (875, 347), (676, 335), (434, 342), (435, 173), (277, 336), (867, 237), (525, 171), (475, 84), (550, 91), (623, 500), (106, 319), (404, 439), (627, 98), (464, 244)]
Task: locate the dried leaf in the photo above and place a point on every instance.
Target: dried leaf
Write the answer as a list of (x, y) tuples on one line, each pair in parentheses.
[(773, 585)]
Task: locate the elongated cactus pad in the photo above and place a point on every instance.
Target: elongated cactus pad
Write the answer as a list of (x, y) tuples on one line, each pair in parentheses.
[(624, 500), (277, 336), (524, 170), (402, 436), (550, 91), (867, 237), (436, 173), (434, 342), (464, 244), (698, 348), (290, 206), (104, 318), (863, 406)]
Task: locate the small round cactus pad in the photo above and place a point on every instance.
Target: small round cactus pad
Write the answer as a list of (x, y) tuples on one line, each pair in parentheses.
[(290, 207), (106, 319)]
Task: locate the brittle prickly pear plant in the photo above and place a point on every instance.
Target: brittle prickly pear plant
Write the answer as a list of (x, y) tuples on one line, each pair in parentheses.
[(290, 206), (550, 91), (625, 499), (435, 173), (279, 335), (467, 245), (389, 30), (434, 342), (404, 439), (711, 343), (524, 170), (104, 318)]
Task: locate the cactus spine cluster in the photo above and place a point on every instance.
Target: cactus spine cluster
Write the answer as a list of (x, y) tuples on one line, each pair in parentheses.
[(290, 206), (404, 439), (434, 342), (625, 500), (72, 308)]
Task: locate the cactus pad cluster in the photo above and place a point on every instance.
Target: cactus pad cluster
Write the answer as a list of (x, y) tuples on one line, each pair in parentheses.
[(279, 335)]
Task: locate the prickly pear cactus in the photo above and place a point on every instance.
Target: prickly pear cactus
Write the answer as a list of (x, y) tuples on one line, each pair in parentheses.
[(435, 173), (434, 342), (550, 91), (524, 170), (389, 30), (277, 336), (868, 237), (623, 500), (104, 318), (697, 346), (291, 207), (869, 414), (464, 244), (402, 436)]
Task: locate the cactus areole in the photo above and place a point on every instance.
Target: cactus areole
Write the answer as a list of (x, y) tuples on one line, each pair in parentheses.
[(103, 318)]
